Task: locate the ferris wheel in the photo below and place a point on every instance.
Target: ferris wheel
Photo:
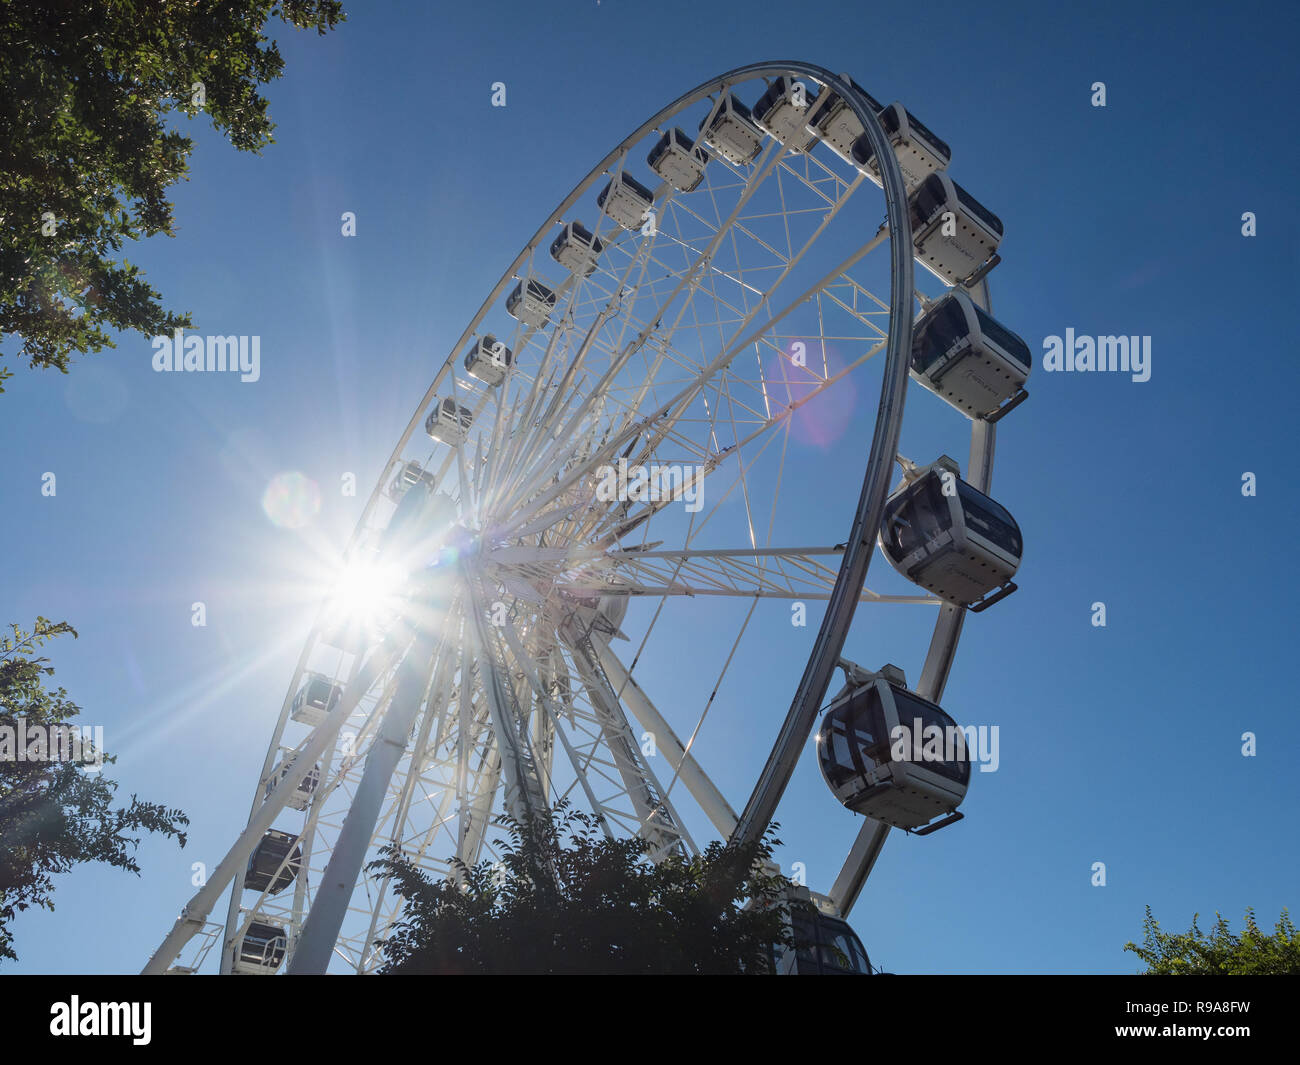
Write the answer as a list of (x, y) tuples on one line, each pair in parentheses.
[(606, 445)]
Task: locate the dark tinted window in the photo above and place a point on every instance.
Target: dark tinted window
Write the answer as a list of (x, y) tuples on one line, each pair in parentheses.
[(917, 125), (841, 952), (989, 519), (1004, 338), (928, 199), (871, 101), (825, 946), (938, 331), (911, 708), (320, 690), (852, 739), (637, 187), (739, 108), (916, 516), (978, 209)]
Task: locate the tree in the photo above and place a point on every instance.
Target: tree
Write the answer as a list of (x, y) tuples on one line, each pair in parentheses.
[(595, 905), (85, 157), (53, 813), (1221, 953)]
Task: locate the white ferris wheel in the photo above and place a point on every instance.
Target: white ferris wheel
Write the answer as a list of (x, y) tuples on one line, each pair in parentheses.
[(605, 445)]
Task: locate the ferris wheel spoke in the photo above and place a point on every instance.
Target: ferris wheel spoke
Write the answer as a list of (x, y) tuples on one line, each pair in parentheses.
[(697, 782), (618, 767), (686, 280), (659, 822), (525, 798), (743, 573), (563, 395), (664, 418)]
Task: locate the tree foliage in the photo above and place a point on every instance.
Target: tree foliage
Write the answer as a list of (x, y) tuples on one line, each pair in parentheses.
[(86, 155), (1222, 952), (55, 815), (587, 904)]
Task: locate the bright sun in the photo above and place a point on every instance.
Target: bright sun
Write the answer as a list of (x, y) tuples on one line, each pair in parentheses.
[(366, 593)]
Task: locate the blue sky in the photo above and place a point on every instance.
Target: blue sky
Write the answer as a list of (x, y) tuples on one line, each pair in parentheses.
[(1119, 744)]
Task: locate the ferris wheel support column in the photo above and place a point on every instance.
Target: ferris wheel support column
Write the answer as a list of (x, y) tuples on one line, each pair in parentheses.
[(320, 931), (938, 662), (802, 714)]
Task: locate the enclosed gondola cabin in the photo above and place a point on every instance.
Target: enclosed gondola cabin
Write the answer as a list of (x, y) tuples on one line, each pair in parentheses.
[(956, 237), (730, 131), (274, 863), (919, 151), (626, 201), (890, 755), (836, 123), (951, 539), (678, 160), (577, 249), (531, 302), (488, 360), (449, 422), (408, 475), (823, 945), (783, 111), (261, 949), (315, 699), (300, 797), (967, 357)]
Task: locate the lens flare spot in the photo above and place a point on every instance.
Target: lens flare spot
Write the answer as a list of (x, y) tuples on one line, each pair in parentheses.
[(798, 377), (291, 500)]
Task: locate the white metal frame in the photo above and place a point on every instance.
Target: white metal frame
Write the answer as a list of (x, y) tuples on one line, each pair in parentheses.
[(425, 745)]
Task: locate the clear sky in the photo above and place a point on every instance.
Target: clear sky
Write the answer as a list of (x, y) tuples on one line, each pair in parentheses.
[(1120, 744)]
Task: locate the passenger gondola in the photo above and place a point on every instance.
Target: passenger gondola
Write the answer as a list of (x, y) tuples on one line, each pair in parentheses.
[(890, 755), (955, 236), (488, 360), (274, 863), (408, 475), (918, 150), (951, 539), (531, 302), (678, 160), (836, 123), (779, 114), (626, 201), (449, 422), (968, 358), (823, 945), (577, 249), (315, 699), (300, 797), (261, 949), (731, 132)]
